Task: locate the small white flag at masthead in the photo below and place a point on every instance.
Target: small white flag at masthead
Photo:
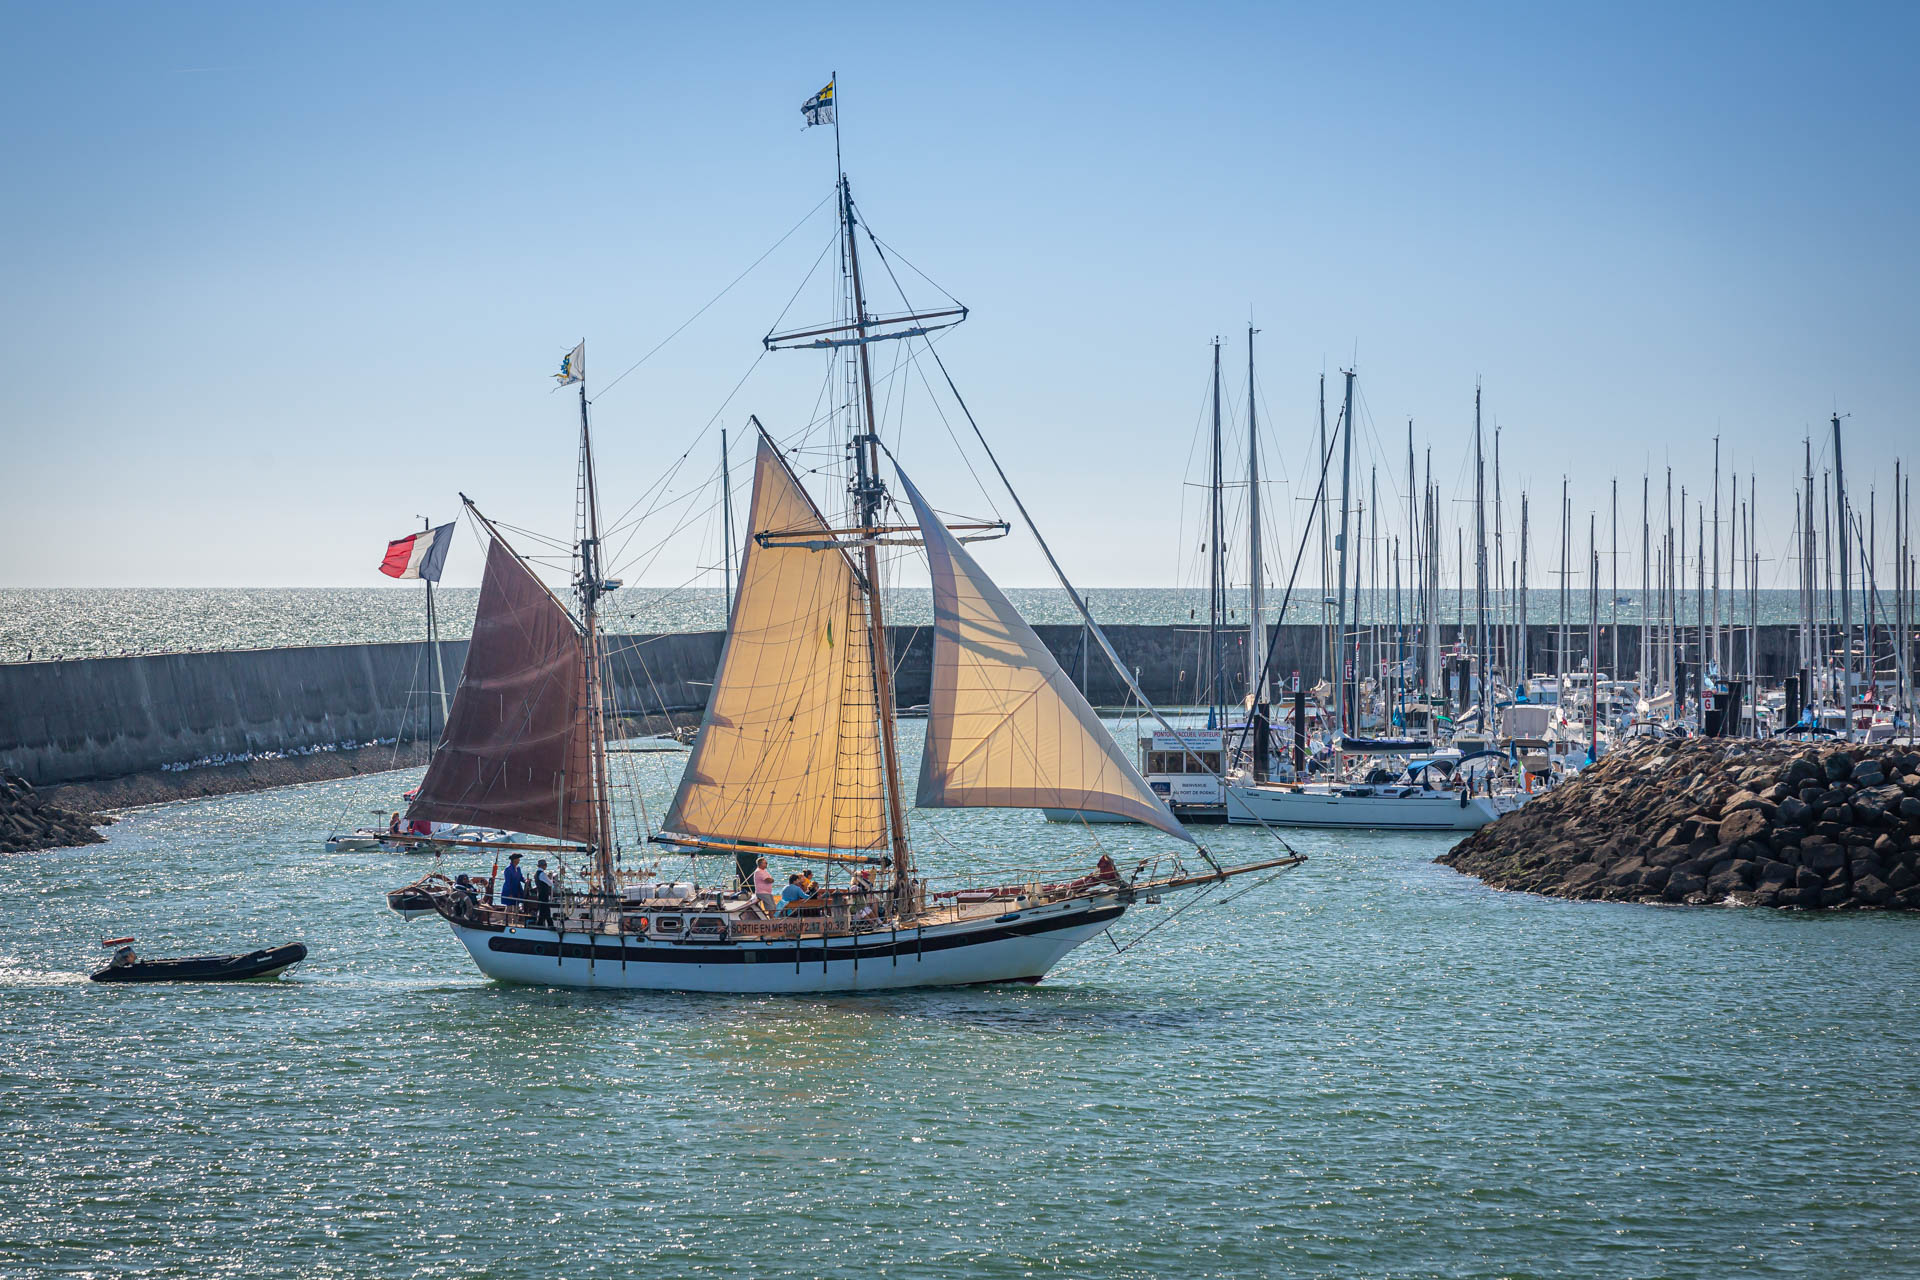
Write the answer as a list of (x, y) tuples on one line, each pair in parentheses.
[(574, 367)]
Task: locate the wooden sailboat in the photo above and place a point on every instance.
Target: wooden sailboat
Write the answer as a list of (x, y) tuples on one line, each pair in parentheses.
[(796, 758)]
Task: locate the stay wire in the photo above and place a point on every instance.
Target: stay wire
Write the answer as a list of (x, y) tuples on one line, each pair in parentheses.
[(805, 218)]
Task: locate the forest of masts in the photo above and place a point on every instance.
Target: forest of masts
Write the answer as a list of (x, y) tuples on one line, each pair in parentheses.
[(1430, 590)]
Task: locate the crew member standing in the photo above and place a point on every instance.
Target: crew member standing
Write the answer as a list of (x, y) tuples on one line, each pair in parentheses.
[(513, 886)]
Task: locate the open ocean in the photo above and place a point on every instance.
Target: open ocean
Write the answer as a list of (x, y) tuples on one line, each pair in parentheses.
[(103, 622), (1370, 1066)]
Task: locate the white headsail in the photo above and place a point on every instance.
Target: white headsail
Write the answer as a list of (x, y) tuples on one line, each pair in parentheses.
[(788, 751), (1006, 728)]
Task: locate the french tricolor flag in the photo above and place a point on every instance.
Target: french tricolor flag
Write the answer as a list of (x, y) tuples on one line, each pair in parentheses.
[(418, 555)]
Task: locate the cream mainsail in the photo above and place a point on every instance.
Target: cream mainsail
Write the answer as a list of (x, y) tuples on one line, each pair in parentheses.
[(1006, 729), (788, 753)]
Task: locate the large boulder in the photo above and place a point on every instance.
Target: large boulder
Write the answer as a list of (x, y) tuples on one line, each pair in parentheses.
[(1745, 824)]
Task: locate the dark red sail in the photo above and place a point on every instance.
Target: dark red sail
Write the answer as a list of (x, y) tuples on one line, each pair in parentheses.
[(516, 753)]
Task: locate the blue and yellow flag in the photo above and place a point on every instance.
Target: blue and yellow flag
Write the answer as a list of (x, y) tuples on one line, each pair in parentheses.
[(574, 367), (819, 108)]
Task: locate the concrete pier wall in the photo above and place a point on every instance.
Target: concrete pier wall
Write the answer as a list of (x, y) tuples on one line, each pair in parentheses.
[(112, 717)]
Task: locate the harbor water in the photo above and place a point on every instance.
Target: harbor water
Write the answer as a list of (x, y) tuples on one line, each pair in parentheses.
[(1366, 1066)]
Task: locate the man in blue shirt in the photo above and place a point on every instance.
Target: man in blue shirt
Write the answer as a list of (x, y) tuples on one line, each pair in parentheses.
[(790, 895), (513, 885)]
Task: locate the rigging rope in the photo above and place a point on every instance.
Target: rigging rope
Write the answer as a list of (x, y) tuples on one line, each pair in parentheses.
[(716, 297)]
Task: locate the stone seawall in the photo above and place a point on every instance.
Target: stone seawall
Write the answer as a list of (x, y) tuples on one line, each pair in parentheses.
[(1718, 820), (105, 718)]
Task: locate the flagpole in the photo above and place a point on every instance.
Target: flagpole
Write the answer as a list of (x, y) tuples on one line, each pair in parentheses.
[(833, 82), (433, 653)]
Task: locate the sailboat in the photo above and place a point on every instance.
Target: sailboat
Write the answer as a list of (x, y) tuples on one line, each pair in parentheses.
[(1429, 793), (797, 755)]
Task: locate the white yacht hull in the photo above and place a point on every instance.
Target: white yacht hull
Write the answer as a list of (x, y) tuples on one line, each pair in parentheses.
[(1382, 811), (1016, 946), (1077, 816)]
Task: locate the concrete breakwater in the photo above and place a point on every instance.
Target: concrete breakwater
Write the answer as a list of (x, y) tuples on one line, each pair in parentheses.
[(106, 718), (1777, 824)]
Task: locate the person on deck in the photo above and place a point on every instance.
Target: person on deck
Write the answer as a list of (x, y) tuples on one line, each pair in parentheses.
[(863, 882), (791, 896), (763, 884), (513, 886), (1105, 869), (806, 882), (393, 825), (543, 895), (466, 896)]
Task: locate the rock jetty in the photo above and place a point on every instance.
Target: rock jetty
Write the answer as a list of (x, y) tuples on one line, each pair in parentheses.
[(1718, 820), (27, 821)]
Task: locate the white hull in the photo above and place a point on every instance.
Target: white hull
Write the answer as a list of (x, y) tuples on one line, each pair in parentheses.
[(1077, 816), (1017, 946), (1383, 809)]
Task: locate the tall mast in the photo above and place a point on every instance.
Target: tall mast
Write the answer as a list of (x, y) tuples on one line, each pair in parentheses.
[(1805, 551), (1679, 610), (1340, 726), (1667, 613), (1613, 554), (1700, 608), (1326, 553), (1413, 519), (1432, 585), (869, 494), (1502, 601), (1718, 657), (1826, 574), (1256, 588), (1373, 588), (1480, 566), (1216, 588), (1560, 653), (1846, 596), (1593, 640), (726, 521), (1901, 635), (591, 585), (1520, 644), (1646, 589), (1737, 550)]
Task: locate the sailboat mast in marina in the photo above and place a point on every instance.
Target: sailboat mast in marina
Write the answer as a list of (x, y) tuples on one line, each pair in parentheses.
[(797, 755)]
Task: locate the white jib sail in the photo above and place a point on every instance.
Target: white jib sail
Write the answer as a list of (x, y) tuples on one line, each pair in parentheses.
[(788, 750), (1006, 728)]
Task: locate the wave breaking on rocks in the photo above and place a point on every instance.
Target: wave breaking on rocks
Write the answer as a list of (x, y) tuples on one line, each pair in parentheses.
[(1718, 821)]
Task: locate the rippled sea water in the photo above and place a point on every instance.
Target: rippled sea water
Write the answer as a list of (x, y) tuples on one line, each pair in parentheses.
[(105, 622), (1370, 1066)]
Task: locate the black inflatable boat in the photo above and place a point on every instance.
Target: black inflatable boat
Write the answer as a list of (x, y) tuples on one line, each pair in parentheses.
[(255, 964)]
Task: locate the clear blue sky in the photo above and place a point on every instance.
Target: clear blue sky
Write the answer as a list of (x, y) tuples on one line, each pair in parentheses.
[(279, 277)]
